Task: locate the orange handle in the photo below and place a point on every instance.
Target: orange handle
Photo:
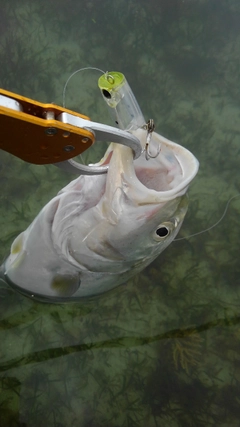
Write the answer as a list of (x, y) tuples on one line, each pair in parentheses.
[(33, 133)]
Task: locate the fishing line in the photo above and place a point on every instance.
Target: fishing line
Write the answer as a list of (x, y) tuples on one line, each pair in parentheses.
[(73, 74), (65, 88), (212, 226)]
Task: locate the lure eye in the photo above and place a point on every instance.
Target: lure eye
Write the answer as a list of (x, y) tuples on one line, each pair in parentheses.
[(106, 94), (163, 231)]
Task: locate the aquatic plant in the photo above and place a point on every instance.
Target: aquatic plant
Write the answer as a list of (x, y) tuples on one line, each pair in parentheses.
[(186, 351)]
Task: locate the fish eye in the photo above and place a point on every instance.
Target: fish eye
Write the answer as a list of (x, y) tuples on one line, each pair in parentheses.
[(163, 231)]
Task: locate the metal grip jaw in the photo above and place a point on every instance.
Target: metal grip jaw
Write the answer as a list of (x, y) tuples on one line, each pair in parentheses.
[(48, 134)]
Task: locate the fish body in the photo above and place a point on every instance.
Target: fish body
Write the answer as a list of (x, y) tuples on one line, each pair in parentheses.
[(101, 230)]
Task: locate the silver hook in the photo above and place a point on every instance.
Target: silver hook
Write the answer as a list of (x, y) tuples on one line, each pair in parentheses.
[(149, 127)]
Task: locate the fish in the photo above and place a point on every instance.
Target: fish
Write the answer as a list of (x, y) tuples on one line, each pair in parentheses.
[(100, 230)]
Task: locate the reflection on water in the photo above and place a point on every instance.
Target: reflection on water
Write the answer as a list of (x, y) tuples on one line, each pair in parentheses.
[(164, 348)]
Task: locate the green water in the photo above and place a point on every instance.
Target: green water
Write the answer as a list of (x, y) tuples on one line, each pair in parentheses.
[(162, 350)]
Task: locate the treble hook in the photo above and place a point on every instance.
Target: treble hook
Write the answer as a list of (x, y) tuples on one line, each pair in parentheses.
[(149, 127)]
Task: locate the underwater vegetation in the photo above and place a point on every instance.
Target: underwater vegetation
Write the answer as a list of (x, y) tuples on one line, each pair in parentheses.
[(187, 352), (176, 376)]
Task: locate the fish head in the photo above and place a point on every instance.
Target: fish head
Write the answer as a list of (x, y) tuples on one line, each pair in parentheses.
[(141, 209)]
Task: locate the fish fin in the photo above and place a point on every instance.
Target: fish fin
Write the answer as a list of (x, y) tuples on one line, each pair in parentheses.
[(65, 285), (17, 251), (17, 245)]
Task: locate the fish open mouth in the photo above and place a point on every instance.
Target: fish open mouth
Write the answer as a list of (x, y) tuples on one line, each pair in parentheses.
[(158, 180), (169, 173)]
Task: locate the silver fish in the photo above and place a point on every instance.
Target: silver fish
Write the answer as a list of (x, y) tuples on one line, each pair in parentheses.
[(101, 230)]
